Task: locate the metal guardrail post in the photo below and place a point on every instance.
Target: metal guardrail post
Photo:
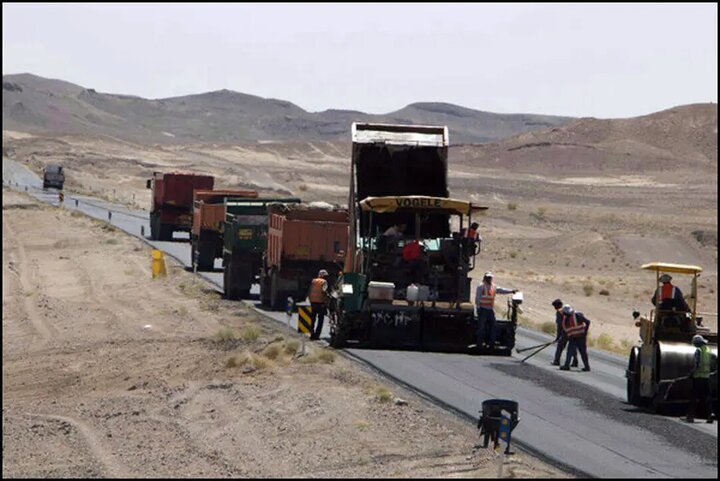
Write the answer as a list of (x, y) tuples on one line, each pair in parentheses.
[(109, 215)]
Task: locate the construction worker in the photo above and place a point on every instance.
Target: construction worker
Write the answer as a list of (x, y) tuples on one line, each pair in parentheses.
[(472, 240), (319, 297), (485, 303), (412, 255), (396, 230), (560, 335), (700, 376), (668, 296), (575, 326)]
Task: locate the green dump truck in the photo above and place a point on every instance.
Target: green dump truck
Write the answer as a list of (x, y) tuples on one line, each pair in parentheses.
[(245, 233)]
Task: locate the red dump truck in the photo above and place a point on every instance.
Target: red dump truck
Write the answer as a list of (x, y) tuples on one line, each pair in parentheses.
[(301, 241), (208, 216), (172, 201)]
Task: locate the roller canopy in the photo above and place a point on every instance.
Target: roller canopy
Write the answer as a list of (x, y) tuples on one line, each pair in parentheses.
[(675, 268)]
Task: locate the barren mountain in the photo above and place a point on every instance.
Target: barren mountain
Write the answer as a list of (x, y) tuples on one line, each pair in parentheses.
[(680, 138), (44, 106)]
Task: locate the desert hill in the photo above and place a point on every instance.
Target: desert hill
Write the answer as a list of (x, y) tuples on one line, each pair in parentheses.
[(45, 106)]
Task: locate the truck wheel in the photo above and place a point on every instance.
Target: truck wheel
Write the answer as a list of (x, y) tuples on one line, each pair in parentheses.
[(264, 291), (154, 228), (337, 332), (205, 256), (228, 282), (275, 300), (165, 231)]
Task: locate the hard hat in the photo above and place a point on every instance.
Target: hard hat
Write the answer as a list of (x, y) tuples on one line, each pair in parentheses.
[(322, 273), (665, 278), (557, 303), (698, 340), (488, 274), (568, 309)]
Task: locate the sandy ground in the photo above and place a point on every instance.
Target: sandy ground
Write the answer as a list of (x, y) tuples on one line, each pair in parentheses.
[(580, 237), (109, 373)]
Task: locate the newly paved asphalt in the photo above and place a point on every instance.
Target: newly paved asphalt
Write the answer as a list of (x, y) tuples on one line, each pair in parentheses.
[(575, 420)]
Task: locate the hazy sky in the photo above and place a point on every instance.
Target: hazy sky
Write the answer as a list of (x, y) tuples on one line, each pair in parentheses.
[(580, 60)]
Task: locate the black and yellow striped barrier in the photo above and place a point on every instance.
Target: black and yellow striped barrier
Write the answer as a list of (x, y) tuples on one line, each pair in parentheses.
[(305, 320)]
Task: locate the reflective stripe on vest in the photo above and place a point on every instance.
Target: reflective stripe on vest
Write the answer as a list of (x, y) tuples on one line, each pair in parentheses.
[(667, 291), (571, 327), (317, 290), (487, 296), (703, 370)]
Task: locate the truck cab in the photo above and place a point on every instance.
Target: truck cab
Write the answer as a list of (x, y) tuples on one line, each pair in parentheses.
[(53, 176)]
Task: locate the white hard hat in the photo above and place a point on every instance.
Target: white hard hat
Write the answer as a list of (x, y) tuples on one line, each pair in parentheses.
[(568, 309), (488, 274), (698, 340), (322, 272), (665, 278)]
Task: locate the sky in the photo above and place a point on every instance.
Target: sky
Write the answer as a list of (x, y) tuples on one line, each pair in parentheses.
[(599, 60)]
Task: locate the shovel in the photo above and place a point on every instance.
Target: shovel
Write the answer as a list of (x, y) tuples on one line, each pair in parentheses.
[(542, 346)]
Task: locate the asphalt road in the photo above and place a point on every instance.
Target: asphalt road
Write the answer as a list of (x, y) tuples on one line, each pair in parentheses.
[(576, 420)]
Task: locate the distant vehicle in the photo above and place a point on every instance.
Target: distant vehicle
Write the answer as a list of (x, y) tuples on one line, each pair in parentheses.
[(301, 241), (245, 235), (53, 176), (172, 201), (207, 221)]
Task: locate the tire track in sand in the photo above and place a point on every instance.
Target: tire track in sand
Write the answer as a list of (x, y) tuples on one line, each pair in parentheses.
[(112, 467), (45, 331)]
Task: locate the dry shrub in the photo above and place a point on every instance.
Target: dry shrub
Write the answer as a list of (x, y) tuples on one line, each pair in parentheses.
[(325, 356), (232, 361), (383, 394), (604, 341), (272, 351), (548, 327), (292, 346), (604, 292), (588, 289), (251, 333), (226, 334), (512, 206)]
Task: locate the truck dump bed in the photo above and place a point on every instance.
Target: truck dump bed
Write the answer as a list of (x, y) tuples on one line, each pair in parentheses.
[(176, 189), (209, 209), (399, 160), (300, 233)]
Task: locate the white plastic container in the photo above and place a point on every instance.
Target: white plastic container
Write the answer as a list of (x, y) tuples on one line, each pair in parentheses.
[(412, 293), (381, 291)]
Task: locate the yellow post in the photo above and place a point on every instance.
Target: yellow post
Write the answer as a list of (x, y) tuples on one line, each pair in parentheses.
[(158, 264)]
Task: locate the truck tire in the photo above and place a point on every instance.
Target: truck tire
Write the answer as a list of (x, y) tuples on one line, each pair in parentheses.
[(337, 333), (264, 290), (275, 297), (165, 231), (154, 227), (205, 256), (231, 292)]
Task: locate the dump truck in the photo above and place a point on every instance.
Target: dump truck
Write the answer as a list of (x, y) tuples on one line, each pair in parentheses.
[(245, 233), (207, 220), (398, 177), (301, 241), (53, 176), (172, 201), (658, 368)]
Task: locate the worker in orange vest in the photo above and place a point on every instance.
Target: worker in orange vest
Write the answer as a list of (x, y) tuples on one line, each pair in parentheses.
[(668, 296), (485, 303), (319, 297), (575, 325)]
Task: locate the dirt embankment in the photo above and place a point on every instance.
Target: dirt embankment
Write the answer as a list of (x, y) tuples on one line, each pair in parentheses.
[(107, 372)]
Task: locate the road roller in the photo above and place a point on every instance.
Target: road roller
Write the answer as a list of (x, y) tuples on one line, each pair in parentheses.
[(659, 367)]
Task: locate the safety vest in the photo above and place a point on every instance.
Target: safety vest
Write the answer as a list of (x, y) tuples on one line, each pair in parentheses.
[(703, 369), (317, 290), (487, 296), (571, 327), (667, 291), (471, 233)]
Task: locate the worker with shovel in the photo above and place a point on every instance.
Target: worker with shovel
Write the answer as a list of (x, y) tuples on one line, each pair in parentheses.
[(575, 325), (701, 379), (560, 335)]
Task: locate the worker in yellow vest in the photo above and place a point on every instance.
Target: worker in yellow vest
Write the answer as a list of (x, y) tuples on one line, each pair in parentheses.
[(702, 368), (319, 296)]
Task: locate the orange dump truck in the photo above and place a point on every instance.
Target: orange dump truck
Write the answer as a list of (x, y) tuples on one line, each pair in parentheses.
[(172, 201), (301, 241), (208, 216)]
